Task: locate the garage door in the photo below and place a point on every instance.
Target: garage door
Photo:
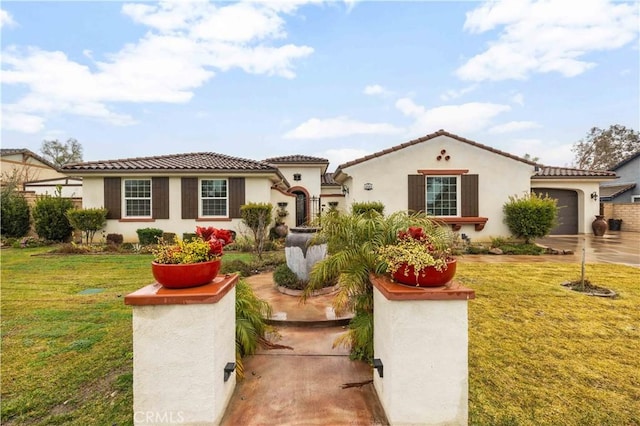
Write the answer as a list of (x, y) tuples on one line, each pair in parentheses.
[(567, 210)]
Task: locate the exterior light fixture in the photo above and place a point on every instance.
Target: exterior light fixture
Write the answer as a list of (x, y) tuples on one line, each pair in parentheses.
[(345, 189), (368, 186), (594, 195), (228, 369)]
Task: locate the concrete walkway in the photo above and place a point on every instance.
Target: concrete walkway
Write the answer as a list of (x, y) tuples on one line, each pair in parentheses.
[(303, 385)]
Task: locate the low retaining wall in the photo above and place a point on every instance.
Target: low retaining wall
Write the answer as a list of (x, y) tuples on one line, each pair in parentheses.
[(628, 212)]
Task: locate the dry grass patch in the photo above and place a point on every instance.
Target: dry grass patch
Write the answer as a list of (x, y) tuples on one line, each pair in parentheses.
[(541, 354)]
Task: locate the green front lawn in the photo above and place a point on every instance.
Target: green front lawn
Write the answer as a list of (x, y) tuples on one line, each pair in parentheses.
[(539, 354)]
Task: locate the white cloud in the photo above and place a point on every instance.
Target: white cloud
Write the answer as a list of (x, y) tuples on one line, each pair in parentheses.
[(546, 36), (550, 152), (187, 44), (341, 156), (518, 98), (514, 126), (6, 20), (454, 94), (316, 128), (463, 119), (376, 89), (21, 122)]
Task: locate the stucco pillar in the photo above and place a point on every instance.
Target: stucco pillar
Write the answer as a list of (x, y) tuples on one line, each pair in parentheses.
[(182, 341), (421, 341)]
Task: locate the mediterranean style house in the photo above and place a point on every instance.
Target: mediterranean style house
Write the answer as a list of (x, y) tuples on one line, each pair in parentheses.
[(461, 182)]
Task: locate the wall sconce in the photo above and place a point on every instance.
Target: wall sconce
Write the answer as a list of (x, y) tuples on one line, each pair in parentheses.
[(377, 364), (345, 189), (368, 186), (228, 369), (594, 195)]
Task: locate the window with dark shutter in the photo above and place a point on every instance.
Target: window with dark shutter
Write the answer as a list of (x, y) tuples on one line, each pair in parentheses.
[(113, 197), (160, 194), (189, 200), (469, 195), (236, 196), (416, 195)]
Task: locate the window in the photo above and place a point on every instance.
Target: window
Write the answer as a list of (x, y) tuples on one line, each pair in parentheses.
[(297, 176), (214, 198), (635, 198), (137, 197), (442, 195)]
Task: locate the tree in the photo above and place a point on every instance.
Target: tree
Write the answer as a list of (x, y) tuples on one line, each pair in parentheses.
[(257, 217), (60, 153), (603, 149), (15, 219), (531, 158)]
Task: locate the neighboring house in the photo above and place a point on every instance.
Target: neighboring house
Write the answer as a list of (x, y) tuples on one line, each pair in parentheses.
[(26, 166), (70, 187), (626, 189), (462, 182)]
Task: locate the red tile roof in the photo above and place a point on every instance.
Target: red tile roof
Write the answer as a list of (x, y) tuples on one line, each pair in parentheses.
[(425, 139), (554, 172), (296, 159), (541, 171), (175, 162)]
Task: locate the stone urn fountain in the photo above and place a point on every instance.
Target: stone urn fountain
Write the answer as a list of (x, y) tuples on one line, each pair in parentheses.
[(302, 251)]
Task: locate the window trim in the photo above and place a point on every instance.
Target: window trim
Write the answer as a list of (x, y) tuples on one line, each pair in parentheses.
[(201, 214), (125, 198), (458, 194)]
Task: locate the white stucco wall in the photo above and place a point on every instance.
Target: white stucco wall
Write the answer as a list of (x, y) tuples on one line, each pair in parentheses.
[(310, 177), (586, 205), (179, 355), (423, 345), (499, 178), (257, 189)]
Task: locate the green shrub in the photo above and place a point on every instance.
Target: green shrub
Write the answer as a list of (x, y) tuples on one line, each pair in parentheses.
[(257, 217), (188, 236), (367, 207), (169, 237), (236, 266), (88, 221), (148, 236), (285, 277), (114, 239), (50, 218), (530, 216), (15, 220), (522, 249)]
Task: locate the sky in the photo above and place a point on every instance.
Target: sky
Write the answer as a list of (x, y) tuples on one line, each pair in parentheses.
[(331, 79)]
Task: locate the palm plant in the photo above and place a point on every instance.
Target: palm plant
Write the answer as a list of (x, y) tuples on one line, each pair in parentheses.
[(251, 326), (353, 242)]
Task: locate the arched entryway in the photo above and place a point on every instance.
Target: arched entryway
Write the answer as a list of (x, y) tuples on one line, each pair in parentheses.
[(301, 207)]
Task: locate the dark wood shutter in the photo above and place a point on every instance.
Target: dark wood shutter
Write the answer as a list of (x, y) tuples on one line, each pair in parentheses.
[(189, 198), (236, 196), (469, 195), (416, 195), (160, 194), (113, 197)]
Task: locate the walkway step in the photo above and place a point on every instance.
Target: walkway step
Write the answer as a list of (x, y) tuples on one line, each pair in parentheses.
[(303, 386), (316, 311)]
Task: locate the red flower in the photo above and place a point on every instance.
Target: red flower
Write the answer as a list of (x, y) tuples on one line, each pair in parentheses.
[(224, 235), (205, 233), (215, 247)]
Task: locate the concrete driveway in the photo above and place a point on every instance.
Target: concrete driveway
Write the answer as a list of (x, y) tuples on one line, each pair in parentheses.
[(614, 247)]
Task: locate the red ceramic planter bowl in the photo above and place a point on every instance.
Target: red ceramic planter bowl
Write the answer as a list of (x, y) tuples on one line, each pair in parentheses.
[(185, 275), (428, 277)]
